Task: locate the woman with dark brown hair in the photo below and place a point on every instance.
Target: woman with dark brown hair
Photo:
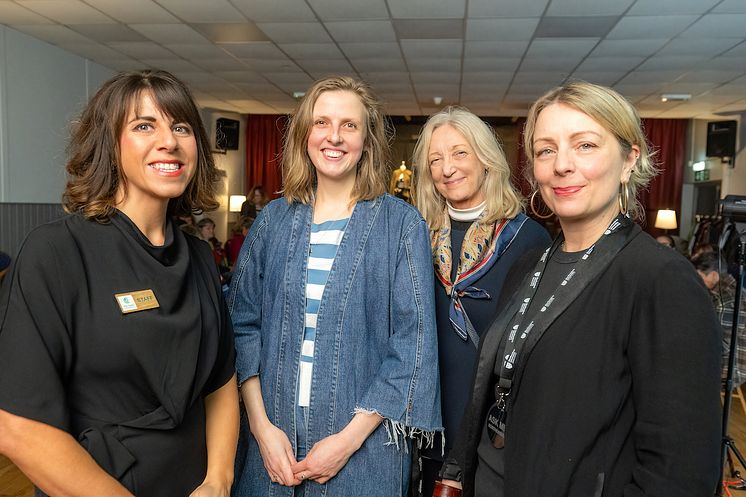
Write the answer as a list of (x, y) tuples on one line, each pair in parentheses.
[(117, 351)]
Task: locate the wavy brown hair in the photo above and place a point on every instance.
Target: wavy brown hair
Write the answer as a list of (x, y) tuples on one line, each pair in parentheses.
[(299, 173), (93, 166)]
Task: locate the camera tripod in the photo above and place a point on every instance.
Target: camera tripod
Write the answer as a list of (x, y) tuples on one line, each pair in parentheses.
[(728, 445)]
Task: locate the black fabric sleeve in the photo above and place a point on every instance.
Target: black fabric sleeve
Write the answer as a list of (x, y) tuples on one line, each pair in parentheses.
[(674, 356), (35, 339)]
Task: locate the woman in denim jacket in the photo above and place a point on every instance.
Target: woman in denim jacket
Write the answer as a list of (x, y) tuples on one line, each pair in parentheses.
[(333, 310)]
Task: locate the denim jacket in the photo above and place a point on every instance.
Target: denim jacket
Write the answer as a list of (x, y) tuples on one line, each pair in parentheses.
[(376, 341)]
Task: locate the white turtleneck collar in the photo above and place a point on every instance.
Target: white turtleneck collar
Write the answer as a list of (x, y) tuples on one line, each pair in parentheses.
[(470, 214)]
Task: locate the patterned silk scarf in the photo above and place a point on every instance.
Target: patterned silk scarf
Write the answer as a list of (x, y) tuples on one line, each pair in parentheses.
[(482, 247)]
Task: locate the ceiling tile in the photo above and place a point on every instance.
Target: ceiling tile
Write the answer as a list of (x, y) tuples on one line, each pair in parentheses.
[(718, 26), (171, 64), (655, 7), (271, 65), (376, 78), (491, 78), (737, 51), (528, 79), (141, 49), (326, 67), (431, 48), (730, 7), (500, 29), (334, 10), (382, 49), (195, 50), (641, 27), (578, 47), (495, 48), (134, 11), (655, 78), (726, 63), (376, 64), (428, 29), (317, 51), (67, 11), (711, 76), (587, 7), (610, 63), (699, 46), (122, 64), (670, 62), (563, 65), (361, 31), (199, 11), (241, 77), (252, 50), (295, 32), (92, 51), (53, 33), (11, 13), (230, 32), (606, 78), (624, 48), (275, 10), (506, 8), (427, 9), (436, 77), (420, 64), (575, 27), (108, 32), (472, 64), (169, 33)]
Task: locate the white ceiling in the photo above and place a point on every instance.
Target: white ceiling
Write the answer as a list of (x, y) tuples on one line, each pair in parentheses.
[(493, 56)]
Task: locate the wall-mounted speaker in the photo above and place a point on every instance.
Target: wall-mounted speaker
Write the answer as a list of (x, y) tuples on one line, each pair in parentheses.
[(721, 139), (226, 134)]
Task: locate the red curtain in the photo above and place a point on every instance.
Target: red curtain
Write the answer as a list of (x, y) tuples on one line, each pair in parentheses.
[(668, 139), (264, 134)]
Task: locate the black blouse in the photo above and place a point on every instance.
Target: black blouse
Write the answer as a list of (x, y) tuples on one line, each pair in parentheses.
[(129, 387)]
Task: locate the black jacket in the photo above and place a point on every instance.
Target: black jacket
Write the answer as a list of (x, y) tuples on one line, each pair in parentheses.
[(620, 396)]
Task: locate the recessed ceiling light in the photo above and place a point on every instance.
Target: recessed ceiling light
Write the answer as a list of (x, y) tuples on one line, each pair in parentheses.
[(676, 97)]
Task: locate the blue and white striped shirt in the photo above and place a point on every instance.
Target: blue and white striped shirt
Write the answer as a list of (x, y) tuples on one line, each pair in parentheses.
[(325, 239)]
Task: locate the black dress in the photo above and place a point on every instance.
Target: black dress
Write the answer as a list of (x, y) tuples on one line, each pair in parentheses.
[(129, 387)]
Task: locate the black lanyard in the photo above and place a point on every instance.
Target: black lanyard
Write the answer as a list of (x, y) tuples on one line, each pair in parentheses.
[(520, 333)]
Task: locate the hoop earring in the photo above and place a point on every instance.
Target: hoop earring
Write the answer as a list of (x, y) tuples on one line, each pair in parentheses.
[(624, 199), (533, 208)]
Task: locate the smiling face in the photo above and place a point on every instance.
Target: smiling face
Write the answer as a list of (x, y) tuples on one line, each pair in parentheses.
[(337, 137), (158, 157), (579, 166), (456, 171)]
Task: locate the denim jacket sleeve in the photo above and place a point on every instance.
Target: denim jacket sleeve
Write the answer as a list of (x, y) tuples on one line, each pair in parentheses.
[(245, 298), (406, 389)]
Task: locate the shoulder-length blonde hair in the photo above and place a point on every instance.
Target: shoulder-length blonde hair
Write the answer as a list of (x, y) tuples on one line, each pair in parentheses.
[(299, 173), (93, 166), (612, 111), (502, 200)]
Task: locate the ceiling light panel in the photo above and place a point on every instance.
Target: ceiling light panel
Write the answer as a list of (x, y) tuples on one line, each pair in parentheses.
[(230, 32)]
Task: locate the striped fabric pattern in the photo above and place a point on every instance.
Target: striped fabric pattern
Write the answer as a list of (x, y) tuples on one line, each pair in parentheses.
[(325, 239)]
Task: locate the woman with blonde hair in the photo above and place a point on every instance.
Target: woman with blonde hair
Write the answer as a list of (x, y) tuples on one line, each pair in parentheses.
[(586, 382), (478, 233), (333, 311)]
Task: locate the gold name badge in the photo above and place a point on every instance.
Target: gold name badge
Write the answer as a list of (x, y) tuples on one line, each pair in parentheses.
[(136, 301)]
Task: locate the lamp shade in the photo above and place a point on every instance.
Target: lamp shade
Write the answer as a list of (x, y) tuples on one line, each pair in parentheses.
[(235, 202), (666, 219)]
